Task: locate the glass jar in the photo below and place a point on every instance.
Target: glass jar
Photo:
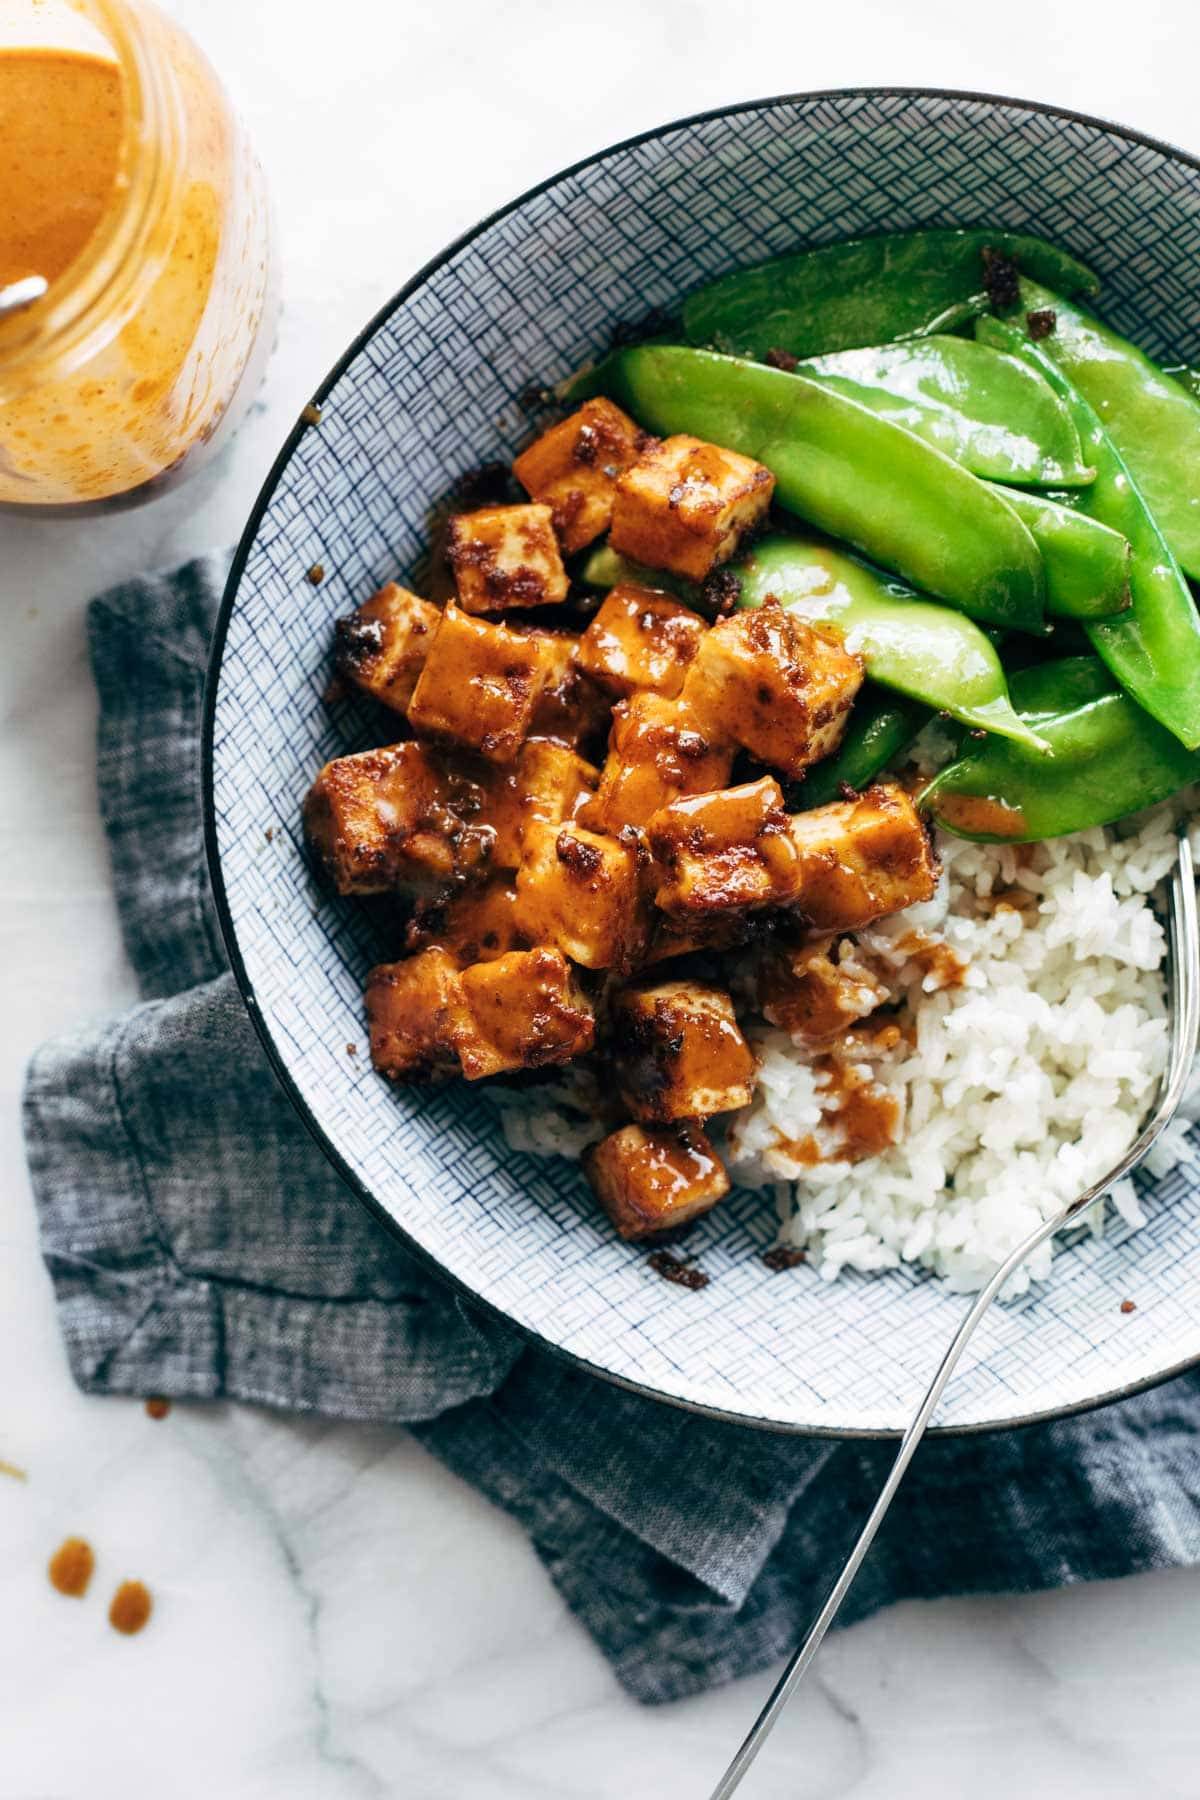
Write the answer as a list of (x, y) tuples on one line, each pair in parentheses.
[(125, 171)]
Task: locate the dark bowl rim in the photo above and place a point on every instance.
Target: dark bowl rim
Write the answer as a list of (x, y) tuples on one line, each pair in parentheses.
[(241, 555)]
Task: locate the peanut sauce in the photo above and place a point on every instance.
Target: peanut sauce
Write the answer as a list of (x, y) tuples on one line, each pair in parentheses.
[(976, 815), (131, 1607), (70, 1568), (157, 1407), (934, 957)]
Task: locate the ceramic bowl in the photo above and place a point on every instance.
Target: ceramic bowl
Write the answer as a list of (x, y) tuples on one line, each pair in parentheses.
[(430, 390)]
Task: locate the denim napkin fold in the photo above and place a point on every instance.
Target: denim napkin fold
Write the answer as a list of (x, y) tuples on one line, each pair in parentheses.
[(200, 1246)]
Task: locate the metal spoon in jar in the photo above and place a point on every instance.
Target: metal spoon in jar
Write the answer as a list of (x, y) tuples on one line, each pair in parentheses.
[(22, 293), (1184, 1025)]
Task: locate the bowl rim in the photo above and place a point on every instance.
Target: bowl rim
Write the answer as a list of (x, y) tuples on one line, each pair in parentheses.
[(357, 1187)]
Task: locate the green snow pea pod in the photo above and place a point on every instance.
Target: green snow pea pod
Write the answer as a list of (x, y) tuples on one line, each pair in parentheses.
[(605, 566), (1153, 422), (929, 653), (1153, 649), (837, 464), (882, 725), (865, 291), (1087, 563), (1110, 758), (1186, 376), (988, 410)]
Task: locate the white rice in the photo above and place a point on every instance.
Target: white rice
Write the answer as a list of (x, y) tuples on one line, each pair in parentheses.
[(1015, 1090)]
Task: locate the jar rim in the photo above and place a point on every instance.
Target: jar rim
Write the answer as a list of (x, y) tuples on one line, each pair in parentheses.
[(99, 292)]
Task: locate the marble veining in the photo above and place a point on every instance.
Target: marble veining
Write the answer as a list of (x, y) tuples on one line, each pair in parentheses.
[(335, 1616)]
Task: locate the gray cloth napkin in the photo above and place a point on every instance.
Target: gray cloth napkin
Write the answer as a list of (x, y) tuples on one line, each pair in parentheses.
[(200, 1246)]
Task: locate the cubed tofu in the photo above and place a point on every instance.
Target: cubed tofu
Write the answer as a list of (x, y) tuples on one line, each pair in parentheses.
[(382, 647), (474, 924), (505, 556), (640, 641), (580, 892), (862, 859), (678, 1052), (818, 990), (546, 785), (481, 684), (775, 685), (686, 505), (394, 817), (416, 1017), (656, 752), (527, 1011), (652, 1181), (725, 852), (572, 709), (573, 469)]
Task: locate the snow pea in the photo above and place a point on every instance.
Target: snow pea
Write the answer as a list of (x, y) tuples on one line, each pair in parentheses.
[(838, 465), (1154, 648), (1110, 758), (986, 409), (929, 653), (1087, 563), (1187, 377), (864, 291), (1153, 422), (881, 726), (604, 567)]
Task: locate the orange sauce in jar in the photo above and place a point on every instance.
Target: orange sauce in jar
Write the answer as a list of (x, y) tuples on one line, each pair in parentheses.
[(127, 183)]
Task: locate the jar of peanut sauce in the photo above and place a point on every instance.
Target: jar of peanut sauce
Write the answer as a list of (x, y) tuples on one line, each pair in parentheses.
[(128, 185)]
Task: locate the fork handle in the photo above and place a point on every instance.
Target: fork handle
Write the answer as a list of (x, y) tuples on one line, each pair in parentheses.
[(1185, 1009)]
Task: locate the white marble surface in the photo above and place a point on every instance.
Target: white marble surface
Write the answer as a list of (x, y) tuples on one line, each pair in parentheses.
[(335, 1617)]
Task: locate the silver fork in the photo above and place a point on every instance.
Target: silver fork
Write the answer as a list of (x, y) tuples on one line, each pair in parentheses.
[(1184, 1018)]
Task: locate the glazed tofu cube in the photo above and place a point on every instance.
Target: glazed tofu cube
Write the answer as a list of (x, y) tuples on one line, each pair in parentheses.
[(678, 1052), (505, 556), (572, 709), (726, 852), (480, 685), (652, 1181), (573, 469), (640, 641), (580, 892), (416, 1017), (475, 924), (527, 1011), (547, 784), (774, 685), (393, 817), (656, 752), (382, 647), (686, 505), (862, 859), (818, 990)]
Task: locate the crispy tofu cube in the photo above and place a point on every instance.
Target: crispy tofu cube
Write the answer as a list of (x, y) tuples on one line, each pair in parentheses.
[(547, 784), (505, 556), (527, 1011), (862, 859), (580, 892), (656, 752), (572, 709), (678, 1052), (818, 990), (474, 924), (416, 1017), (394, 817), (726, 852), (573, 469), (481, 684), (640, 641), (776, 685), (686, 505), (652, 1181), (382, 647)]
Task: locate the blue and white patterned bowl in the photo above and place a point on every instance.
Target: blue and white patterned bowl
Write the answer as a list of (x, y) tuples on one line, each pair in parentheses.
[(429, 391)]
